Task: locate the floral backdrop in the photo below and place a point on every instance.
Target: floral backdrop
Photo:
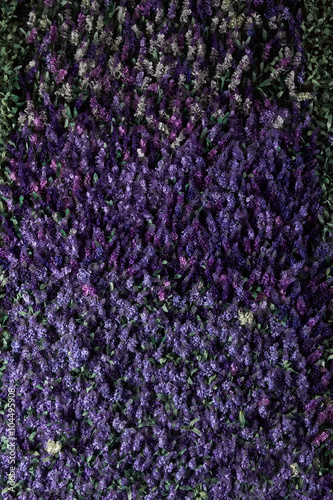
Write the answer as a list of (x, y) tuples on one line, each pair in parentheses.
[(166, 288)]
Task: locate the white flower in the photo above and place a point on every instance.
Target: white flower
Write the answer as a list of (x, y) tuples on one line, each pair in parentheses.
[(100, 23), (32, 19), (297, 59), (122, 14), (89, 23), (53, 447), (81, 51), (257, 19), (233, 20), (141, 108), (278, 123), (44, 22), (290, 83), (245, 318), (181, 80), (136, 30), (272, 23), (159, 16), (83, 66), (185, 12), (65, 92), (295, 469), (215, 22), (227, 62), (175, 48), (303, 96), (149, 28), (160, 40), (160, 71), (75, 37)]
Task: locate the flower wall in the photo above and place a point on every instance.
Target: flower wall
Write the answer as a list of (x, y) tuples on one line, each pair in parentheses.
[(165, 279)]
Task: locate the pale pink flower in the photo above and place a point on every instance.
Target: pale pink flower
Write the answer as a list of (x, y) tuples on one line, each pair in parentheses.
[(233, 369), (264, 402), (182, 261)]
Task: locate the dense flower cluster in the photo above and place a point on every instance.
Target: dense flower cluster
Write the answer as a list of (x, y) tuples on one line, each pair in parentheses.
[(166, 282)]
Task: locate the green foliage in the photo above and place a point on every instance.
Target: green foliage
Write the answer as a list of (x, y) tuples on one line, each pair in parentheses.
[(318, 45), (12, 55)]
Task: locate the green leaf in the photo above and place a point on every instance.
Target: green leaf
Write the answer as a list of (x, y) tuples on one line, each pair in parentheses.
[(194, 421), (242, 419), (163, 397), (203, 134), (265, 83), (32, 435)]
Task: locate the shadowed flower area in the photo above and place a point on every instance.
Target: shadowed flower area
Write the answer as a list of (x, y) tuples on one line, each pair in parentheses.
[(164, 273)]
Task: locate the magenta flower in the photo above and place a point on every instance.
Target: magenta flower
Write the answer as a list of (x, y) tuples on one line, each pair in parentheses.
[(32, 35), (320, 438)]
